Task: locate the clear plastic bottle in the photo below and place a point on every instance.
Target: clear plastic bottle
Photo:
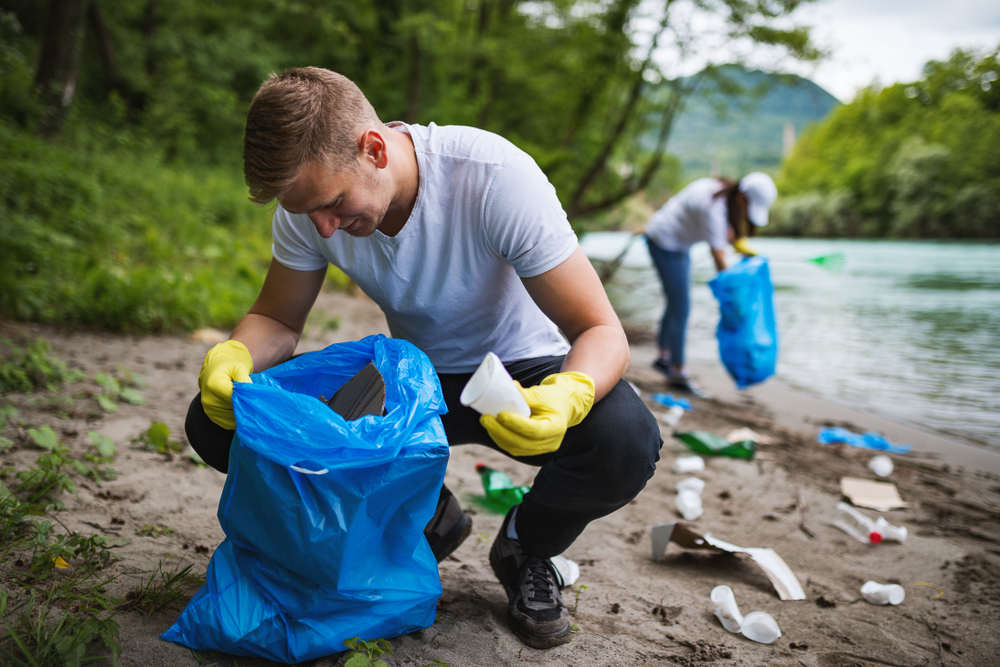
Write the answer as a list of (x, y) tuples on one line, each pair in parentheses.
[(856, 524)]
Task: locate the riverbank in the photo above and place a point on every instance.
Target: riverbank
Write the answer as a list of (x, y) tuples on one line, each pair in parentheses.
[(629, 609)]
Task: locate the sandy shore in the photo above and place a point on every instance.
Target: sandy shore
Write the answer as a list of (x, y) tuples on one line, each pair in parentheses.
[(629, 609)]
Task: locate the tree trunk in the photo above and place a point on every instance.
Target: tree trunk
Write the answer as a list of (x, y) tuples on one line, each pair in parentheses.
[(59, 61)]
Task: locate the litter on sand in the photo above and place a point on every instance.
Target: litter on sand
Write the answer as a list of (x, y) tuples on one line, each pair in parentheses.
[(776, 570), (880, 496), (740, 434), (869, 440), (668, 400)]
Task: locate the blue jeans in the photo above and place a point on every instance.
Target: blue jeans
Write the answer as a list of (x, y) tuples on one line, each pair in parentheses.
[(674, 268)]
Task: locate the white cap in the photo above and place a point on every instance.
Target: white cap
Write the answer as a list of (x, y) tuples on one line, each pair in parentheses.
[(760, 192)]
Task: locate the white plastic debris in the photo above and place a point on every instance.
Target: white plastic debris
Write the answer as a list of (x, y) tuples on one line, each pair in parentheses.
[(877, 593), (726, 609), (881, 465), (686, 464), (567, 570), (760, 627)]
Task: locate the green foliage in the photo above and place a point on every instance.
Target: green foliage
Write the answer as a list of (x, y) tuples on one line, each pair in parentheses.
[(32, 367), (157, 438), (908, 161), (366, 653), (41, 636), (154, 530), (156, 595)]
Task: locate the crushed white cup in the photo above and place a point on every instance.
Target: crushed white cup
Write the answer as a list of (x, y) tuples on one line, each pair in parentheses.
[(672, 415), (726, 609), (881, 465), (760, 627), (491, 390), (686, 464), (691, 484), (568, 571), (688, 504), (877, 593)]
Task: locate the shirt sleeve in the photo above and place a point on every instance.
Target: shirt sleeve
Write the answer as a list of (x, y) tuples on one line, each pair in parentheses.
[(524, 221), (293, 242)]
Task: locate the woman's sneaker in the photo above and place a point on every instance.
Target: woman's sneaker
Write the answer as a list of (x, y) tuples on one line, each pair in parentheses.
[(535, 610)]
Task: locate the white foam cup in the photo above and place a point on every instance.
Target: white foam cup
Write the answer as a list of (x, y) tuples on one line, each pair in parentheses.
[(672, 415), (568, 571), (881, 465), (491, 390), (726, 609), (760, 627), (877, 593), (686, 464), (691, 484), (689, 504)]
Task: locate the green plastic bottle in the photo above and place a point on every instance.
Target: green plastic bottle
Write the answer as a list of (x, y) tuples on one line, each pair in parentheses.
[(501, 493), (704, 442)]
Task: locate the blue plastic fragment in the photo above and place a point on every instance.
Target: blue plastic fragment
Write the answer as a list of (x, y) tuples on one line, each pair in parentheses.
[(868, 440), (669, 401)]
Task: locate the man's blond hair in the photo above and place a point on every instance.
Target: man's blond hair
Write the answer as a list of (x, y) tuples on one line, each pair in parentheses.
[(302, 115)]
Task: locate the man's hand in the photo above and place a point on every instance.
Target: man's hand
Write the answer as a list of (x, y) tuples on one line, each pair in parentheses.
[(562, 400), (224, 364)]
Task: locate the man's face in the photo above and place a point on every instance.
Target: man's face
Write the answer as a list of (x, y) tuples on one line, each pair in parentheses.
[(351, 200)]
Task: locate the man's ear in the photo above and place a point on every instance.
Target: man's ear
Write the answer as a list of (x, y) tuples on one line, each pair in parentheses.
[(373, 146)]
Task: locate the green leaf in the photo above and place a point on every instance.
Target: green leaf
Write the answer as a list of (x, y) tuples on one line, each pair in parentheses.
[(132, 396), (7, 412), (106, 403), (108, 383), (158, 434), (102, 444), (5, 443), (45, 438), (358, 660)]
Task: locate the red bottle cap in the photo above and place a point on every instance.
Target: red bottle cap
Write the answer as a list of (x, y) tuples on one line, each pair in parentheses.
[(874, 537)]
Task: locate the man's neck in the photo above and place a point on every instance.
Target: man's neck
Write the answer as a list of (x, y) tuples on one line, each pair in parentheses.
[(405, 175)]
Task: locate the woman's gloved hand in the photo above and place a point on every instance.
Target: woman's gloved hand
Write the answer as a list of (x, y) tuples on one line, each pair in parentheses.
[(561, 400), (224, 364), (741, 246)]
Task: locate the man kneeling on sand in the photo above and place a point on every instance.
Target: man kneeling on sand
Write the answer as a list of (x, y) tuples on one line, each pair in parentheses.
[(460, 239)]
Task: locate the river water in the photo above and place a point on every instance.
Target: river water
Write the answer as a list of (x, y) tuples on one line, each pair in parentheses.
[(910, 330)]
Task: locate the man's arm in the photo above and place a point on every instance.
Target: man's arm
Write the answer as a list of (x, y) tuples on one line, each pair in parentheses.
[(572, 296), (272, 328)]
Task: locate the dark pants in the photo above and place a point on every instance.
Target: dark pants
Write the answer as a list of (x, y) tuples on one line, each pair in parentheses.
[(602, 464)]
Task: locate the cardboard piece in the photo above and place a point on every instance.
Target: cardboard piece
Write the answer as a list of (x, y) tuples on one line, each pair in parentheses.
[(745, 433), (777, 571), (880, 496)]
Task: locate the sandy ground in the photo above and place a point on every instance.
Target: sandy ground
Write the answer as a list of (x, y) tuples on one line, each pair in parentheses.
[(629, 610)]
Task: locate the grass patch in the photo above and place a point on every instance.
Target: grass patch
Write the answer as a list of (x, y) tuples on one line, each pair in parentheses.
[(162, 590)]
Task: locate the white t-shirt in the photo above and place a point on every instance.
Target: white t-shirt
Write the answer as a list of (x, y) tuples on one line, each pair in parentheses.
[(449, 282), (694, 214)]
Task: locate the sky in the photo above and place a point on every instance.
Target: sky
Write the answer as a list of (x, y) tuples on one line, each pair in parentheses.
[(890, 40)]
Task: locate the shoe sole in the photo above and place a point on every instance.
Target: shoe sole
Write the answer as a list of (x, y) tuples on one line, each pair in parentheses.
[(453, 540)]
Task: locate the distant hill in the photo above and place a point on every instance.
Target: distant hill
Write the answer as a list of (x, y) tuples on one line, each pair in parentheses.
[(749, 133)]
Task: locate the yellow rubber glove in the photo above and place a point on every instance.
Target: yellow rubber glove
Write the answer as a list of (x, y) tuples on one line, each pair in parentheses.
[(224, 364), (741, 246), (562, 400)]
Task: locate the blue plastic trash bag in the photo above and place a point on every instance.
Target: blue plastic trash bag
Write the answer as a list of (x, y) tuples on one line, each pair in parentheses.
[(669, 401), (747, 333), (324, 518), (870, 440)]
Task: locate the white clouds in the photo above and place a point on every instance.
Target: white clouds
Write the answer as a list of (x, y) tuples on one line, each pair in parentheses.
[(890, 40)]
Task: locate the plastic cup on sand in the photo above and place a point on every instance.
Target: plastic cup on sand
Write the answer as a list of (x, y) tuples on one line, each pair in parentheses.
[(689, 504), (877, 593), (726, 609), (491, 390), (691, 484), (686, 464), (760, 627), (881, 465)]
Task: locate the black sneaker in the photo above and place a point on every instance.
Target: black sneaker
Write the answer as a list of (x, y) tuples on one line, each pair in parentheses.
[(535, 610), (663, 366), (684, 383), (449, 526)]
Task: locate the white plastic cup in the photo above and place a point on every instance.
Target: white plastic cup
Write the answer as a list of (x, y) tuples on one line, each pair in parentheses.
[(568, 571), (691, 484), (760, 627), (877, 593), (881, 465), (686, 464), (672, 415), (491, 390), (726, 609), (689, 504)]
